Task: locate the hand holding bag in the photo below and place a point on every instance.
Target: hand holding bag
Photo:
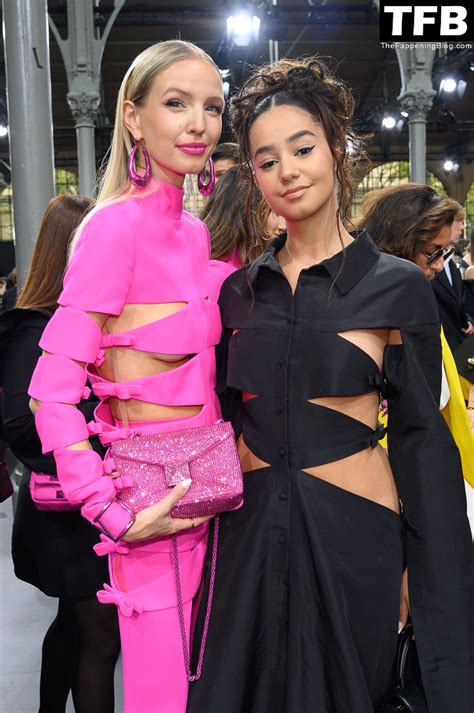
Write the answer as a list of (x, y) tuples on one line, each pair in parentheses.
[(406, 694)]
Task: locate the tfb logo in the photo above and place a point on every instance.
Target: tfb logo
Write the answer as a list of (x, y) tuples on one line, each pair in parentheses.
[(425, 21)]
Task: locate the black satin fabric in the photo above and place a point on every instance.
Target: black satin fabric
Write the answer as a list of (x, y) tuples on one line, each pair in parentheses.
[(306, 602)]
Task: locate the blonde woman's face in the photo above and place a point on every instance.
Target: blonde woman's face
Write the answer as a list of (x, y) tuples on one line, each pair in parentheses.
[(181, 119)]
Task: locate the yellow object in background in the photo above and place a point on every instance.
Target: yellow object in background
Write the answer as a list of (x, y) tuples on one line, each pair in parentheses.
[(455, 413)]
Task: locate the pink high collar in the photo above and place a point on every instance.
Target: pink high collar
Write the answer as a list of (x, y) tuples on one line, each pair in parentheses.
[(164, 198)]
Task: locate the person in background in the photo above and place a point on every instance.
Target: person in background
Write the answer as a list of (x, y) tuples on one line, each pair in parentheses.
[(447, 287), (53, 550), (468, 255), (3, 286), (225, 156), (413, 222), (237, 236), (9, 298)]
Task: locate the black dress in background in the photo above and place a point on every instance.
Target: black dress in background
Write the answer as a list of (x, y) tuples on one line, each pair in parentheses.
[(307, 591), (51, 550)]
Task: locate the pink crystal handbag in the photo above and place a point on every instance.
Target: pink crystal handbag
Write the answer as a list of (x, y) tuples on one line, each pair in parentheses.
[(156, 463)]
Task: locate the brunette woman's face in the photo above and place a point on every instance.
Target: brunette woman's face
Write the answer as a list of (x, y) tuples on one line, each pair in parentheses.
[(440, 241), (292, 162), (181, 119)]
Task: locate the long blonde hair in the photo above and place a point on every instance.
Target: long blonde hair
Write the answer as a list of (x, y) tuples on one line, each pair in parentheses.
[(114, 184)]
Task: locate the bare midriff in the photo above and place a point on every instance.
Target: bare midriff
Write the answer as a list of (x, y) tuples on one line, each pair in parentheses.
[(125, 364), (366, 473)]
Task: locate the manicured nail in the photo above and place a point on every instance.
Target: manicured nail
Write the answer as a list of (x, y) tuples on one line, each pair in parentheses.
[(186, 483), (400, 626)]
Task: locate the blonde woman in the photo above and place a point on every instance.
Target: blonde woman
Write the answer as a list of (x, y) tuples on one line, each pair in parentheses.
[(138, 310)]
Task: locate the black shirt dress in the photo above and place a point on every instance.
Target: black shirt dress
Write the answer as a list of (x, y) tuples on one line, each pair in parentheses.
[(307, 593)]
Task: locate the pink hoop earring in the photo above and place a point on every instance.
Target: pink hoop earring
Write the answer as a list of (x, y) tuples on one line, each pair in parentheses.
[(136, 178), (205, 189)]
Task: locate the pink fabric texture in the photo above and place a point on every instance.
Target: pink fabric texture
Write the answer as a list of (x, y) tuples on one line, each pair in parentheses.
[(58, 379), (60, 425), (143, 250), (73, 334), (152, 652)]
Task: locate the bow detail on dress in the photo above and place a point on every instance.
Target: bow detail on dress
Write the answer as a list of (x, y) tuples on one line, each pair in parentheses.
[(377, 436), (106, 546), (109, 595), (117, 340)]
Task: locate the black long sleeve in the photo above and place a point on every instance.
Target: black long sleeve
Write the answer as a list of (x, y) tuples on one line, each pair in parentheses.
[(20, 333), (427, 469)]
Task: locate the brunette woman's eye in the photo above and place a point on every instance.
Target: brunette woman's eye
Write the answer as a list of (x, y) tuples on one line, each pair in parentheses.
[(304, 150), (267, 164)]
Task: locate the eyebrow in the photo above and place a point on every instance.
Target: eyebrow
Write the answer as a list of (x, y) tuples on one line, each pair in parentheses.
[(176, 90), (289, 140)]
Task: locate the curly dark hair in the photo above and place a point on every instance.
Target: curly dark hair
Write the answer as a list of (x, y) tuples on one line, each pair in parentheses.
[(403, 219), (308, 84)]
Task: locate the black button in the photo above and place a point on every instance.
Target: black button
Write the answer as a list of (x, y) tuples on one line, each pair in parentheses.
[(282, 495), (281, 362), (288, 319), (282, 452), (279, 408), (281, 539), (286, 580), (303, 283)]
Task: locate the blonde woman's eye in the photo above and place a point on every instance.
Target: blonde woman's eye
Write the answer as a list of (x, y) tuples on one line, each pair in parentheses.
[(174, 103), (304, 150), (216, 109)]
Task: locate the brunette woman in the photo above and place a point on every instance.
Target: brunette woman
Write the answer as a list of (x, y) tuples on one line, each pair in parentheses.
[(53, 550), (312, 585), (139, 316), (236, 217)]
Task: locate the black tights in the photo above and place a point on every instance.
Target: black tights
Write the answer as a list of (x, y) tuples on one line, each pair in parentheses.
[(80, 651)]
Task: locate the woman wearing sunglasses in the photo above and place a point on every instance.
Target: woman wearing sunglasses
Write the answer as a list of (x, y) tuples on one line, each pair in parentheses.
[(413, 222)]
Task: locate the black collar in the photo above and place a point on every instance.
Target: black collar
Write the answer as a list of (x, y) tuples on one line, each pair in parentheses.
[(356, 260)]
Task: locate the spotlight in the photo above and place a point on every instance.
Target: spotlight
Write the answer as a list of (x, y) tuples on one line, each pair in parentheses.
[(3, 131), (450, 166), (404, 114), (242, 28), (226, 88), (448, 85), (389, 122)]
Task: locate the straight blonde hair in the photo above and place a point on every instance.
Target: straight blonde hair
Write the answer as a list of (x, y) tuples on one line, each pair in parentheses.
[(114, 183)]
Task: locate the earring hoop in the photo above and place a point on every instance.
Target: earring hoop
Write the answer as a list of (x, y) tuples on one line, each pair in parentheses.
[(136, 178), (205, 189)]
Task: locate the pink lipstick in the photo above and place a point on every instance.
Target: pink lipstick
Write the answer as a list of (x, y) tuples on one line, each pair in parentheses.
[(193, 149)]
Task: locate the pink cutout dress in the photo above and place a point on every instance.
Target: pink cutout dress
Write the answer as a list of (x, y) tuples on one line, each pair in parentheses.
[(144, 250)]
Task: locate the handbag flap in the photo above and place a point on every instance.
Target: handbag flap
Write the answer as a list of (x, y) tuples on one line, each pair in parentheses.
[(171, 449)]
